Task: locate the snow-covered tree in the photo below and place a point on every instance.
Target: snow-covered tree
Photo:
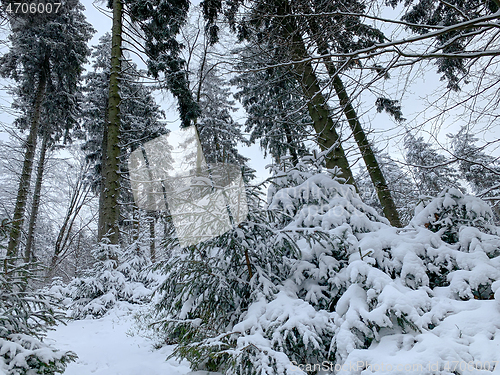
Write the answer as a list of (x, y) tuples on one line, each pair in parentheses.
[(402, 188), (25, 317), (46, 56), (431, 171), (116, 276), (480, 170), (339, 284), (219, 134)]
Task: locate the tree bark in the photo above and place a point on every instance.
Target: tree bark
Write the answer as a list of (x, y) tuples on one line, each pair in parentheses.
[(152, 247), (376, 175), (104, 147), (28, 251), (111, 211), (328, 137), (24, 183)]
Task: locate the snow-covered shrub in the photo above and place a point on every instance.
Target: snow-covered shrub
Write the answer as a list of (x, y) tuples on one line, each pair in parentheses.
[(25, 316), (209, 286), (114, 277), (452, 210), (344, 287)]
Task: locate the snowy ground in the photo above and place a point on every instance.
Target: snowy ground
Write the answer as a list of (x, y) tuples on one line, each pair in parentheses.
[(106, 347)]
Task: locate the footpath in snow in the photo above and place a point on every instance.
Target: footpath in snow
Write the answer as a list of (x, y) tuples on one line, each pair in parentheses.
[(106, 347)]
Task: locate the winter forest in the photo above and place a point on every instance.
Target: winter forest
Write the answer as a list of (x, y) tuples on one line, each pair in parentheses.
[(260, 187)]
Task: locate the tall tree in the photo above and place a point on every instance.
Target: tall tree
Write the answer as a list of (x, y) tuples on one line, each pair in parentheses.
[(269, 27), (330, 35), (30, 239), (276, 116), (140, 117), (219, 133), (158, 23), (110, 209), (48, 50)]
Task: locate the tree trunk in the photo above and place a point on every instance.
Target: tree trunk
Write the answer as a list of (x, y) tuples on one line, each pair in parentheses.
[(111, 210), (63, 240), (152, 248), (376, 175), (28, 251), (104, 147), (328, 137), (24, 183)]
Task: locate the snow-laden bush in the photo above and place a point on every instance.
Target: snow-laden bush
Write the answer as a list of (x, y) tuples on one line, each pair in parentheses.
[(114, 277), (344, 291), (25, 316), (452, 210)]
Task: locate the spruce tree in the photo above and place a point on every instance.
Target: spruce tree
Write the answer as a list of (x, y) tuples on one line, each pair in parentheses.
[(140, 116), (45, 52), (276, 117), (431, 171), (159, 23), (219, 134)]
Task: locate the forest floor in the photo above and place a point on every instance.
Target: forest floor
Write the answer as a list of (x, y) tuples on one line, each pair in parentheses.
[(112, 346)]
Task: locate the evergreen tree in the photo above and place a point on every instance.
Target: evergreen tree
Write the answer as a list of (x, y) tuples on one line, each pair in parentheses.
[(399, 182), (480, 170), (276, 116), (140, 116), (431, 171), (281, 30), (455, 41), (271, 30), (339, 284), (160, 22), (25, 317), (46, 51), (117, 276), (219, 133)]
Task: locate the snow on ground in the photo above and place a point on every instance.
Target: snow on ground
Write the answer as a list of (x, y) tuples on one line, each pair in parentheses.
[(106, 347)]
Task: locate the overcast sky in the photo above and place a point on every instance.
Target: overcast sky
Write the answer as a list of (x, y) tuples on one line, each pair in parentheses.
[(413, 92)]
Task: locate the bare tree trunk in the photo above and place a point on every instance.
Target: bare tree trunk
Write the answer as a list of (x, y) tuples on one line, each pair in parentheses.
[(64, 240), (111, 211), (328, 137), (28, 251), (104, 147), (24, 183), (376, 175), (152, 247)]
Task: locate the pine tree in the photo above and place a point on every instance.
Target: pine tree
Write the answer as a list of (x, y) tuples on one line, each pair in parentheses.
[(276, 117), (219, 134), (140, 116), (431, 171), (48, 52)]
